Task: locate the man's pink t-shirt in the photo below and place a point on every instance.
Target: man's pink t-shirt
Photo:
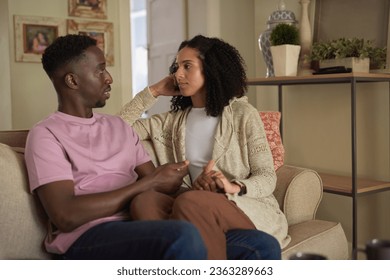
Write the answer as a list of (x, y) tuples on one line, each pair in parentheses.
[(99, 154)]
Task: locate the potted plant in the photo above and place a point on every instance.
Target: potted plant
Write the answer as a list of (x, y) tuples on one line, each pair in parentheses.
[(355, 53), (285, 49)]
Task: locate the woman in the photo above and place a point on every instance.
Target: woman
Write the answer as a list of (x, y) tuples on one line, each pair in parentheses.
[(211, 125), (39, 43)]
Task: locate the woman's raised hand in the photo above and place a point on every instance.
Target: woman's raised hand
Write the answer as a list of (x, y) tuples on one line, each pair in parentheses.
[(165, 87)]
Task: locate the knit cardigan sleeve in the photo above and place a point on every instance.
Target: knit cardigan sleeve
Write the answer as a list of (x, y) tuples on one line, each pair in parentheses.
[(255, 168), (132, 112)]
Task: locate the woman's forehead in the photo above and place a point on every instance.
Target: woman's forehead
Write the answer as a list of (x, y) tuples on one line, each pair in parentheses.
[(187, 54)]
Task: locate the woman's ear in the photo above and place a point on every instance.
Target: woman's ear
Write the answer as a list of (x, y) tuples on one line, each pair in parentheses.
[(71, 80)]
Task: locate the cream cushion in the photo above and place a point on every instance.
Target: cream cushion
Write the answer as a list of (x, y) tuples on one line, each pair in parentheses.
[(22, 230)]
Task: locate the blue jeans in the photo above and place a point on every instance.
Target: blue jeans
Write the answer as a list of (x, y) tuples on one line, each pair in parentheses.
[(139, 240), (251, 244), (152, 240)]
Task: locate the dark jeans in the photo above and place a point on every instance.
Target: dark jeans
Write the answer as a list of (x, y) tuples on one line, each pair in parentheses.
[(251, 244), (169, 240), (139, 240)]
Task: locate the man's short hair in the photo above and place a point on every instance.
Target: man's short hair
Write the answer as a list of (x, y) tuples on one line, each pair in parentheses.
[(64, 50)]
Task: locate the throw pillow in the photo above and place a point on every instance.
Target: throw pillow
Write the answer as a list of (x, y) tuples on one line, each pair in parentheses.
[(271, 122)]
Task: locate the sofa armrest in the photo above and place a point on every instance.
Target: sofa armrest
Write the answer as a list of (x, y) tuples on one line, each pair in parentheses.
[(298, 192)]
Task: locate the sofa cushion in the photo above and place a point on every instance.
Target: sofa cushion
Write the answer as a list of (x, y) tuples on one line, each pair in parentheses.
[(271, 120), (22, 232)]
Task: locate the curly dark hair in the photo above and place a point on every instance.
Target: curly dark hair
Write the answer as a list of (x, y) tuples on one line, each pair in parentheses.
[(224, 70), (64, 50)]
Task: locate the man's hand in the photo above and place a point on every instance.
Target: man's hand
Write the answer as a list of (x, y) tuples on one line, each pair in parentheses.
[(169, 177)]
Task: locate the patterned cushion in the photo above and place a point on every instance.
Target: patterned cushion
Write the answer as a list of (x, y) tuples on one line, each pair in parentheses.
[(271, 122)]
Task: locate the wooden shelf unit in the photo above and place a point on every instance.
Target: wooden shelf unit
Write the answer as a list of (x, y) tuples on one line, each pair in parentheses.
[(341, 185)]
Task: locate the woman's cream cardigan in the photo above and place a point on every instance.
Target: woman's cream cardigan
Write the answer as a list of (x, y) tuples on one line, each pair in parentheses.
[(241, 152)]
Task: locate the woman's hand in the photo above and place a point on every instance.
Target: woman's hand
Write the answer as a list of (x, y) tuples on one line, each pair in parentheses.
[(224, 184), (165, 87), (214, 181)]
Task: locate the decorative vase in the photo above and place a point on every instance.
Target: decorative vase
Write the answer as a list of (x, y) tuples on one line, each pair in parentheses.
[(280, 16), (305, 38), (285, 60)]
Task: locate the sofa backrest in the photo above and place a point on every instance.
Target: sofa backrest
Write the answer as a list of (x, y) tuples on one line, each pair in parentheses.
[(23, 221)]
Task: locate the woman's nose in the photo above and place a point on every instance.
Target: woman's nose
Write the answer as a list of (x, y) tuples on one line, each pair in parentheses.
[(178, 73)]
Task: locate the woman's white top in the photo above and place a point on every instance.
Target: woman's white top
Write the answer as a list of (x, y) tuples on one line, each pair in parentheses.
[(200, 131)]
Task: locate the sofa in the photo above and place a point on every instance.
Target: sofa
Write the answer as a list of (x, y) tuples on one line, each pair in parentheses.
[(298, 191)]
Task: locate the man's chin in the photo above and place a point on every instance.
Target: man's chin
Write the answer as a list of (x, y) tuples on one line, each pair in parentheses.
[(100, 104)]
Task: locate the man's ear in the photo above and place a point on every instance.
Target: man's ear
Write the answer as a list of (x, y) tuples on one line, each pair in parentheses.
[(71, 80)]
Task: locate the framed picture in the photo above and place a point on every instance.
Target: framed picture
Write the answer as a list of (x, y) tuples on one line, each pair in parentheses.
[(353, 18), (34, 34), (101, 31), (88, 8)]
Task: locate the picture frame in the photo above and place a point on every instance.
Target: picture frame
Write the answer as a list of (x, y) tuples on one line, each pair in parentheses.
[(353, 18), (33, 34), (96, 9), (103, 32)]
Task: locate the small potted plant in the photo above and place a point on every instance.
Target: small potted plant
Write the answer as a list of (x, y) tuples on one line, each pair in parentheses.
[(285, 49), (355, 53)]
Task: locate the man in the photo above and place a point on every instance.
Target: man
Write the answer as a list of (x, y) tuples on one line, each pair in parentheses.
[(86, 167)]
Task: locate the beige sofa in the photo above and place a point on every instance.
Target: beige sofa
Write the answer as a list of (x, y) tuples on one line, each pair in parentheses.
[(23, 222)]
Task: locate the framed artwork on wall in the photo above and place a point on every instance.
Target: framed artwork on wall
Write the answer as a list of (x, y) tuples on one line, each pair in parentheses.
[(102, 32), (88, 8), (33, 34)]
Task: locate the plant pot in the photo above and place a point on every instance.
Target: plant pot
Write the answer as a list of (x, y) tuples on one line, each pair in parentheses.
[(356, 64), (285, 59)]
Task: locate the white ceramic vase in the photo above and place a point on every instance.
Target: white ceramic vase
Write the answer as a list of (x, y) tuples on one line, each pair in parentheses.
[(305, 38), (280, 16)]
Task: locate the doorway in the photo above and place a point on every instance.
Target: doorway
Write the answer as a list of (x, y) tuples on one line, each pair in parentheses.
[(157, 29), (139, 45)]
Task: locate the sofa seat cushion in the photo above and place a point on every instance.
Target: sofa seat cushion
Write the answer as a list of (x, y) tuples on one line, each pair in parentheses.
[(319, 237), (22, 232)]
